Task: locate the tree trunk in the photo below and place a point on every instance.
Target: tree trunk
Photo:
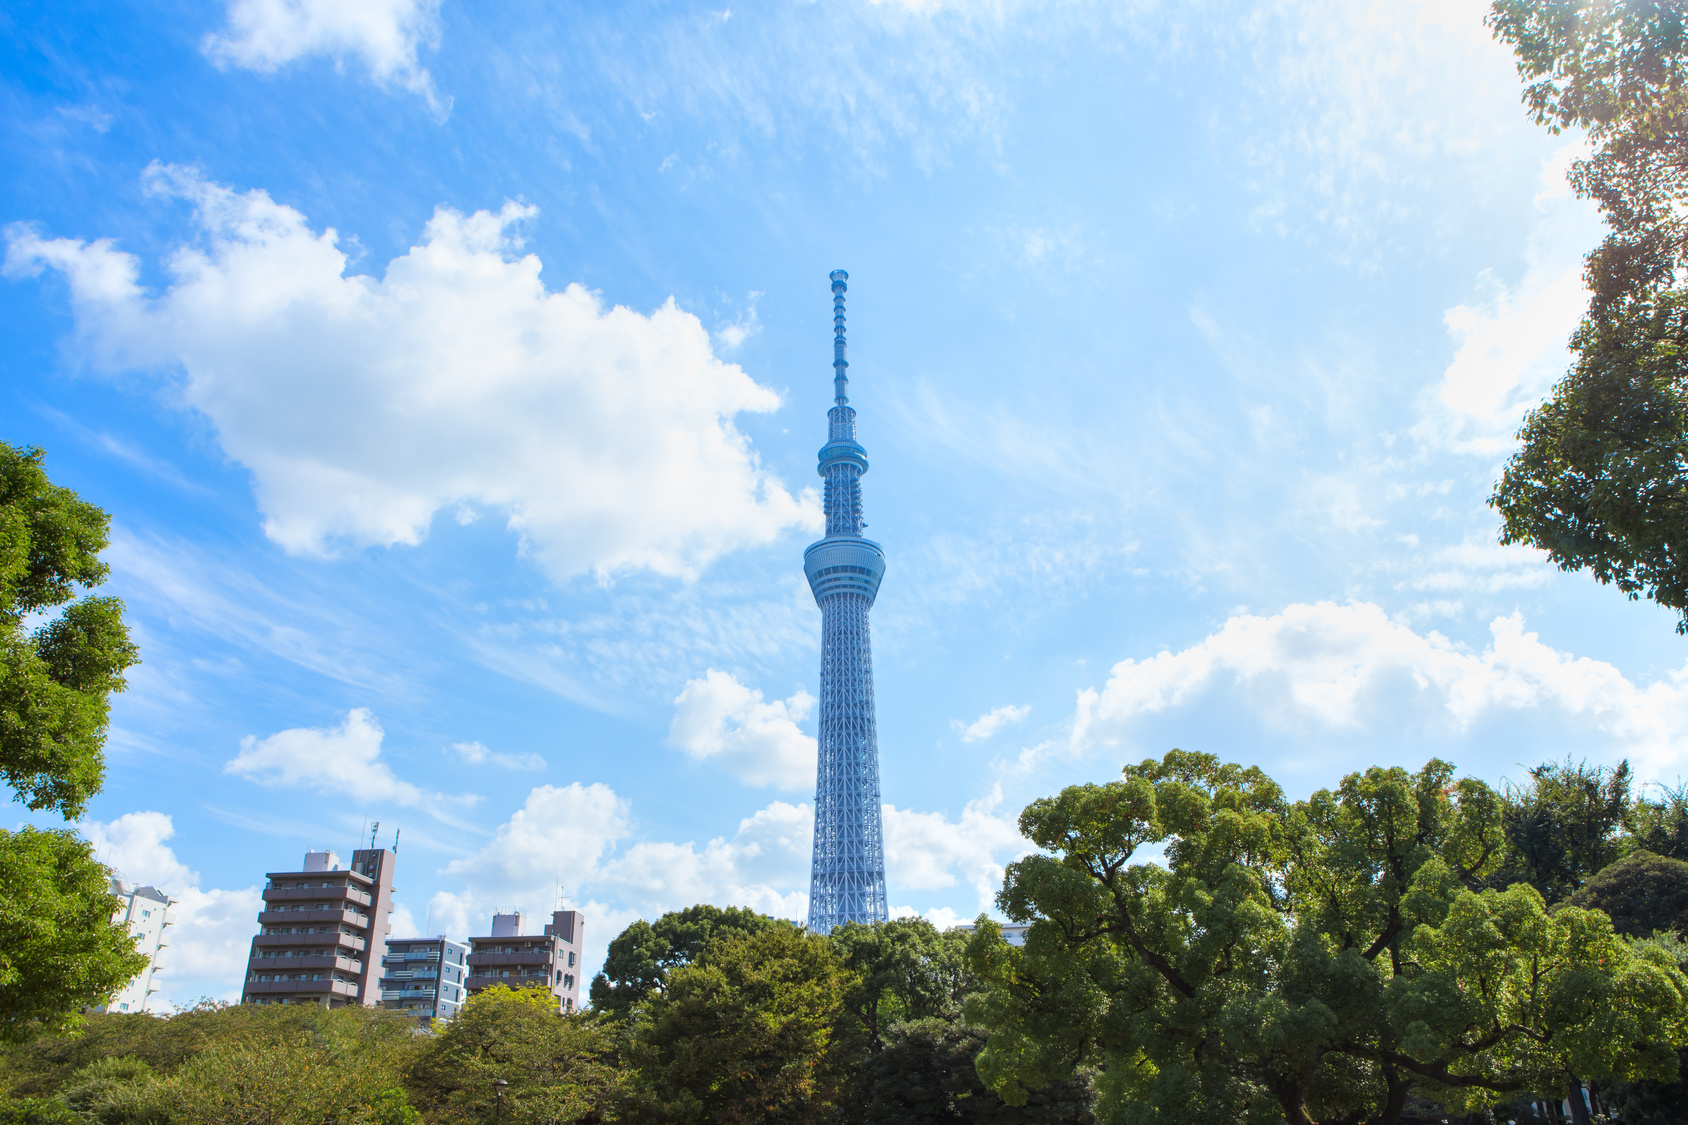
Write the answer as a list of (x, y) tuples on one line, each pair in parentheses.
[(1579, 1107)]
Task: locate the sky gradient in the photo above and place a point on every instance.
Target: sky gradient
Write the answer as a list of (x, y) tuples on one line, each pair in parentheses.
[(453, 375)]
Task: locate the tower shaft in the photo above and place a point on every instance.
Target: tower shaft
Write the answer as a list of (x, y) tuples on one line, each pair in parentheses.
[(847, 876)]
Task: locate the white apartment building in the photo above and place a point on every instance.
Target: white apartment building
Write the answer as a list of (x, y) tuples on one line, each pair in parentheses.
[(145, 911)]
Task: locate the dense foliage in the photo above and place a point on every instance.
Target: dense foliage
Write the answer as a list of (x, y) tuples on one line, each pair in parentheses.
[(59, 949), (1321, 960), (1600, 479)]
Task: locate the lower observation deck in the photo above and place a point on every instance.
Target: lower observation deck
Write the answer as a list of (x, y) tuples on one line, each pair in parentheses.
[(844, 564)]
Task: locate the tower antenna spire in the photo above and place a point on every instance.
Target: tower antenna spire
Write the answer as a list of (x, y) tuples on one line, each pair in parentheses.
[(840, 360)]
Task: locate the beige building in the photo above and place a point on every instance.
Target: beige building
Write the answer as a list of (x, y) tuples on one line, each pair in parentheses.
[(322, 932), (550, 959)]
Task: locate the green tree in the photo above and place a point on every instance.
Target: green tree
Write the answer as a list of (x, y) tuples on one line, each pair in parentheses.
[(928, 1074), (641, 956), (905, 970), (59, 950), (55, 682), (118, 1091), (340, 1067), (1563, 827), (1660, 825), (1599, 481), (58, 947), (753, 1031), (1641, 893), (559, 1068), (1307, 962)]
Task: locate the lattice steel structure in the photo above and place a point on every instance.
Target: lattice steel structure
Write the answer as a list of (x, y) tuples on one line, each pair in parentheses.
[(847, 877)]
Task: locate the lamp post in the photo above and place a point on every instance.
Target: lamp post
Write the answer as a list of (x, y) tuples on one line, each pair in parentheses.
[(498, 1087)]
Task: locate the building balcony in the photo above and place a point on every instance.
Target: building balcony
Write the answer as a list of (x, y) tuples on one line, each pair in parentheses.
[(480, 981), (334, 938), (298, 964), (317, 894), (300, 917), (536, 957), (320, 987)]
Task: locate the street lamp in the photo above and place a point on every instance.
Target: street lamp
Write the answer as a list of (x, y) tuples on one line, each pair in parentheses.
[(498, 1087)]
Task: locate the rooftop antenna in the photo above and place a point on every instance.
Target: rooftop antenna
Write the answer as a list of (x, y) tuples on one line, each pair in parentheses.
[(372, 833), (396, 832)]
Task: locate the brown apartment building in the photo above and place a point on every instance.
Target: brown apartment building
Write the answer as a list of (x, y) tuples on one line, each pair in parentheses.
[(322, 932), (550, 959)]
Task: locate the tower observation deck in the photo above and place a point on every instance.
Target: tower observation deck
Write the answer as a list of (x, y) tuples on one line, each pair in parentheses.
[(847, 877)]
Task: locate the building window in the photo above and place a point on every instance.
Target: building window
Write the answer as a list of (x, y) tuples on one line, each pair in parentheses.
[(146, 914), (124, 1006), (571, 960)]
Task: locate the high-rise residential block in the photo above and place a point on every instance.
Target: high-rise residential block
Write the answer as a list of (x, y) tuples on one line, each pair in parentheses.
[(145, 912), (322, 931), (425, 976), (551, 959), (847, 875)]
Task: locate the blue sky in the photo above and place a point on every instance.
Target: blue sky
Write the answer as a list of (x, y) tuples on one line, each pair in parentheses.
[(454, 374)]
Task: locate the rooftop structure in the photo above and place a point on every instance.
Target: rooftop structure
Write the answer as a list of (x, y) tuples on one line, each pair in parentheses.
[(550, 960), (847, 875), (425, 976), (145, 911), (322, 931)]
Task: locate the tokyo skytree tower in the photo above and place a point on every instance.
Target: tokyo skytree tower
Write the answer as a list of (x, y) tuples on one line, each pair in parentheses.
[(847, 878)]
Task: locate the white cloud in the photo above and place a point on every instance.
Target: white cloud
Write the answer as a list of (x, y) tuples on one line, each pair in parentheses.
[(134, 846), (363, 405), (1335, 666), (990, 722), (765, 865), (475, 753), (211, 931), (265, 35), (559, 835), (1513, 346), (333, 760), (927, 851), (719, 719)]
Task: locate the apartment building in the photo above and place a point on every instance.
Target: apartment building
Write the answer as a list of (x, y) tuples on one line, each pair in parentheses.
[(145, 912), (549, 959), (322, 931), (424, 976)]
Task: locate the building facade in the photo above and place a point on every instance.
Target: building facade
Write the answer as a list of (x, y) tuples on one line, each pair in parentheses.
[(145, 912), (847, 874), (322, 931), (425, 976), (550, 959)]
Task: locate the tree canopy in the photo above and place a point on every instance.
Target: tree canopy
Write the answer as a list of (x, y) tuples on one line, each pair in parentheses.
[(641, 956), (1600, 481), (59, 949), (1315, 961), (55, 682)]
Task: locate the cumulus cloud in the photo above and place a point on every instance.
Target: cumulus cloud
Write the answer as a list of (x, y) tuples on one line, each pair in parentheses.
[(364, 405), (1512, 346), (211, 930), (475, 754), (333, 760), (928, 851), (990, 722), (265, 35), (1334, 665), (559, 835), (134, 847), (719, 719)]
